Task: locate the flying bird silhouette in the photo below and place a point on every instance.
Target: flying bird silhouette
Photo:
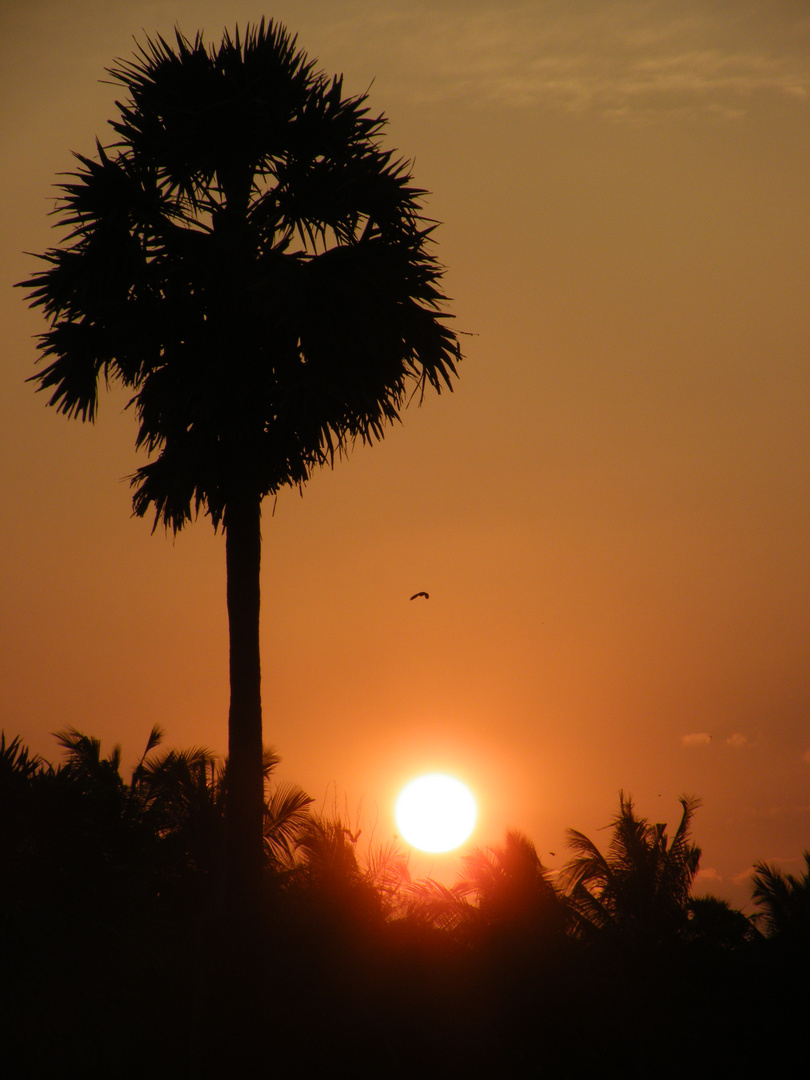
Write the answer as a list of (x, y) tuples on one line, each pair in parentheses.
[(426, 596)]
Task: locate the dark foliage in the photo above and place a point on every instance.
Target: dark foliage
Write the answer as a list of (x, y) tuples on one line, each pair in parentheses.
[(641, 888), (118, 949), (784, 901)]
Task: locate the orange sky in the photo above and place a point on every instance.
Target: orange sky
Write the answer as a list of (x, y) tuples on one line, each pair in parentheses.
[(610, 513)]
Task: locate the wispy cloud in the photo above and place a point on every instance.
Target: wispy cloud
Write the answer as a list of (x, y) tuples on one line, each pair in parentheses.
[(744, 878), (787, 864), (737, 740), (621, 58), (696, 738), (786, 812)]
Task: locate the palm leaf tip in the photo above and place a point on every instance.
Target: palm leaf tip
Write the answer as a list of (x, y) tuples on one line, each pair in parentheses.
[(156, 736)]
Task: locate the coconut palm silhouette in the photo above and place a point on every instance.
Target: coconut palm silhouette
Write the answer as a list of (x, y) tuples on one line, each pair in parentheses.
[(784, 901), (641, 888), (254, 268), (514, 890)]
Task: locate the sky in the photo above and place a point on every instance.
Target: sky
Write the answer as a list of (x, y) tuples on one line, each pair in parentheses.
[(610, 513)]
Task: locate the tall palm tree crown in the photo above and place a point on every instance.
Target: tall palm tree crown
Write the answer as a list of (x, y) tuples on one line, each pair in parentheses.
[(253, 266), (250, 262)]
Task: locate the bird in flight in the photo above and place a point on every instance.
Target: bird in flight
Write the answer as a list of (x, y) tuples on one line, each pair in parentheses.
[(426, 596)]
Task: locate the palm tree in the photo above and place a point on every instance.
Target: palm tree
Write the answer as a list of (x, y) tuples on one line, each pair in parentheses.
[(784, 900), (181, 794), (514, 891), (504, 895), (714, 923), (642, 886), (330, 884), (250, 263)]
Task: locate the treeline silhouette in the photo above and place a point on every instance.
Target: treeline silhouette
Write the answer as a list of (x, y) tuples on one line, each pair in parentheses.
[(117, 938)]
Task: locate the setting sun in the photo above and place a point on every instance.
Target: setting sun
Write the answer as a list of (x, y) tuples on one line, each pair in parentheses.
[(435, 812)]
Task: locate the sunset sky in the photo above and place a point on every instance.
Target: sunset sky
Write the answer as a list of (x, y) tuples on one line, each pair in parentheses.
[(610, 513)]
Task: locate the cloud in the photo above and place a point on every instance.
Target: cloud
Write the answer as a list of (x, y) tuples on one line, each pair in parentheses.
[(622, 58), (709, 876), (785, 812), (788, 865), (745, 877), (702, 738), (806, 756)]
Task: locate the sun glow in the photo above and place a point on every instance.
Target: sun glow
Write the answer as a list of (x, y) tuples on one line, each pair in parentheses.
[(435, 812)]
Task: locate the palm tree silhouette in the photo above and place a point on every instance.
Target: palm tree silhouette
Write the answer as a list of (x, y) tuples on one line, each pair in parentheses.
[(514, 890), (784, 900), (504, 895), (181, 794), (642, 886), (252, 265), (714, 923)]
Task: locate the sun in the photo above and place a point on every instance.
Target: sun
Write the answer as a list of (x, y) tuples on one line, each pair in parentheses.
[(435, 812)]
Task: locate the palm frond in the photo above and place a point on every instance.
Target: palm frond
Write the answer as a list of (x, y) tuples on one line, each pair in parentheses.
[(156, 736), (784, 899), (386, 869), (270, 760), (17, 760), (84, 752), (440, 906), (286, 814)]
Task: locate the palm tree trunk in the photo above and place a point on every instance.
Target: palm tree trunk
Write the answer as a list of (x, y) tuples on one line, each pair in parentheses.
[(242, 1017), (245, 796)]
